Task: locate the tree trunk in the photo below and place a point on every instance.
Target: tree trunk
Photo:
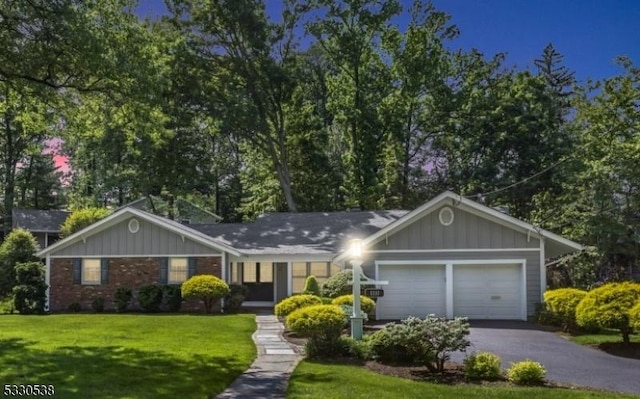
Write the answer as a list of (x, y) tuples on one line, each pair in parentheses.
[(284, 178)]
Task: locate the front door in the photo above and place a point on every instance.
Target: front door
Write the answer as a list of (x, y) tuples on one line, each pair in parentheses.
[(258, 277)]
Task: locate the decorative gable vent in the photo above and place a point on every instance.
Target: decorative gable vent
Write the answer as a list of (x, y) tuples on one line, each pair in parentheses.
[(134, 226), (446, 216)]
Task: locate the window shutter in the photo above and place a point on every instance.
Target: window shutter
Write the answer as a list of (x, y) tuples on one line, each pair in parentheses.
[(164, 270), (104, 271), (192, 267), (77, 270)]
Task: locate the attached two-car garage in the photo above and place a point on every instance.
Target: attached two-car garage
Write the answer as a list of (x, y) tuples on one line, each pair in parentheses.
[(483, 289)]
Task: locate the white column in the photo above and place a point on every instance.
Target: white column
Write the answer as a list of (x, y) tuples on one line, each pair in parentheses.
[(543, 270), (289, 278), (448, 279)]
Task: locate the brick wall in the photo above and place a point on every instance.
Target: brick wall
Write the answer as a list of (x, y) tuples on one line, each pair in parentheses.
[(123, 272)]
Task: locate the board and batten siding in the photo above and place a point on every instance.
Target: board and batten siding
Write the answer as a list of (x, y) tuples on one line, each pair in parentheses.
[(532, 267), (150, 240), (466, 232)]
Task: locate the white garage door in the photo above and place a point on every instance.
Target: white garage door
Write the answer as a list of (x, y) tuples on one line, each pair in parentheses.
[(487, 291), (413, 290)]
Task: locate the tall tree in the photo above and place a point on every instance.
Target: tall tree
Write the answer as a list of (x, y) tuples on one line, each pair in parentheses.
[(39, 182), (349, 31)]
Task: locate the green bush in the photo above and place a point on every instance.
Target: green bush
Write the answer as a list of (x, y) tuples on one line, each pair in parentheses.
[(19, 246), (634, 315), (98, 304), (360, 349), (234, 299), (482, 366), (7, 306), (323, 325), (526, 372), (428, 342), (609, 306), (367, 305), (311, 286), (542, 315), (30, 293), (206, 288), (562, 304), (150, 298), (81, 218), (295, 302), (74, 307), (172, 298), (122, 299), (338, 285)]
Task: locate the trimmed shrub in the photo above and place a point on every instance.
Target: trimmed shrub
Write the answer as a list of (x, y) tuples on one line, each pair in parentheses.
[(74, 307), (562, 304), (323, 325), (122, 299), (30, 293), (150, 298), (348, 311), (234, 299), (367, 305), (609, 306), (172, 298), (7, 306), (428, 342), (311, 286), (98, 304), (634, 315), (206, 288), (360, 349), (526, 372), (482, 366), (81, 218), (295, 302), (19, 246), (338, 285)]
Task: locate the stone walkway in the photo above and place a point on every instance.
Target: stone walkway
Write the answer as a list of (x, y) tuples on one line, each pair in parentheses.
[(268, 376)]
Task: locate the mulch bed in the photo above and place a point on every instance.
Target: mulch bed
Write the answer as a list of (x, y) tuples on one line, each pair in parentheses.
[(631, 350)]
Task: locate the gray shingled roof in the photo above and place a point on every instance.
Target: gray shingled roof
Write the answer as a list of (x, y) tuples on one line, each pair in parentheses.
[(37, 220), (299, 233)]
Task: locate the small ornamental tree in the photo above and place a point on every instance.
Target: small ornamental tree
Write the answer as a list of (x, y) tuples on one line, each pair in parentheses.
[(206, 288), (322, 324), (609, 306), (562, 304), (30, 294), (367, 305), (311, 286), (19, 246), (295, 302), (82, 218)]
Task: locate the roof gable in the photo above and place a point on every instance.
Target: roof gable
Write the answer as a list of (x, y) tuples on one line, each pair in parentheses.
[(561, 244), (126, 213)]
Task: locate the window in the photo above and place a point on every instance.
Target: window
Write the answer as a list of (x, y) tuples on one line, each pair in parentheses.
[(249, 272), (178, 268), (91, 271), (235, 272), (301, 270), (266, 272), (257, 272)]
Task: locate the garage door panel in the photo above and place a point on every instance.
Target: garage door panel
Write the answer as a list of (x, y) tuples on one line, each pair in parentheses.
[(413, 290), (487, 291)]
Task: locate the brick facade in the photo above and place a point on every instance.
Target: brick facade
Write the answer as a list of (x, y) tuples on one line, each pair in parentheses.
[(123, 272)]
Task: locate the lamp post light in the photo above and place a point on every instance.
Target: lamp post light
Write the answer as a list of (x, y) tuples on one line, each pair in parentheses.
[(355, 252)]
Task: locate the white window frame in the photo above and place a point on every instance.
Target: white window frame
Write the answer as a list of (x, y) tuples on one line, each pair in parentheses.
[(170, 266), (83, 273)]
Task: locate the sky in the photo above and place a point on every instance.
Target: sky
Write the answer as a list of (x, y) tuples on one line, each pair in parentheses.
[(589, 33)]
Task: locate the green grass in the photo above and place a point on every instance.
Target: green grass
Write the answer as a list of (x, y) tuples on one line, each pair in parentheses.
[(601, 337), (126, 356), (332, 381)]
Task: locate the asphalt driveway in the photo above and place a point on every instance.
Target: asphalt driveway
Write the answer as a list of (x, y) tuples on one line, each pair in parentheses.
[(565, 361)]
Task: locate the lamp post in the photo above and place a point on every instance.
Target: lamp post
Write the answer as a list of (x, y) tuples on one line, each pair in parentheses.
[(355, 252)]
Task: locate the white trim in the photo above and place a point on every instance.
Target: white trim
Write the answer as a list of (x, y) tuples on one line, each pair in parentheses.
[(289, 278), (284, 258), (429, 251), (448, 291), (441, 219), (47, 280), (171, 255), (543, 271), (223, 267), (133, 226), (46, 240), (458, 201), (450, 264), (122, 215)]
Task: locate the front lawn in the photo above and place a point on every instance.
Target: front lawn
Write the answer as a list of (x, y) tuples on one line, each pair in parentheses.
[(610, 341), (126, 356), (333, 381)]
